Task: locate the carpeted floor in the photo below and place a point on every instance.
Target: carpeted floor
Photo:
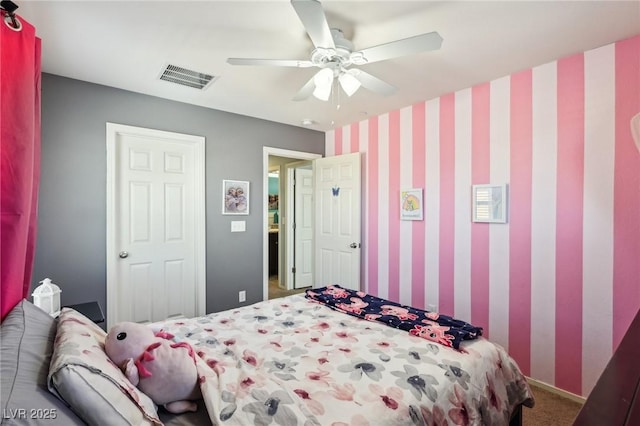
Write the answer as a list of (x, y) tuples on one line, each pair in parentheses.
[(276, 292), (550, 410)]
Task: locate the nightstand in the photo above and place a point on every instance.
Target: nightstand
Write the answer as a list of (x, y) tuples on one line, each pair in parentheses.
[(91, 310)]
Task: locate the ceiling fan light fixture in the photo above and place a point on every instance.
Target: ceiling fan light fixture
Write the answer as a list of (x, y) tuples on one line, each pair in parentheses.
[(323, 81), (333, 53), (322, 93), (349, 83)]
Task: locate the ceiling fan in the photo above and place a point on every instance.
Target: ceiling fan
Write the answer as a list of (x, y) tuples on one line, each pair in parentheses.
[(335, 55)]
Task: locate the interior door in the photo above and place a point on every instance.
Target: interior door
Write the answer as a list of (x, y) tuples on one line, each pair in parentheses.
[(337, 220), (303, 227), (155, 230)]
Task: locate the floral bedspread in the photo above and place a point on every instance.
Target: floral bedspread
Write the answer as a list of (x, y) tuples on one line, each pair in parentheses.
[(291, 361)]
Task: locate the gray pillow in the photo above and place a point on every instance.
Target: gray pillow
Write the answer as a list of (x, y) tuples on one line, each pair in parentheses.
[(26, 344)]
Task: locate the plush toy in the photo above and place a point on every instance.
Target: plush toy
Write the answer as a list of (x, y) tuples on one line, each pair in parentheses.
[(162, 369)]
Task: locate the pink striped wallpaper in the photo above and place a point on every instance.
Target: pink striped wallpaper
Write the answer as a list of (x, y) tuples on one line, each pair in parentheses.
[(557, 285)]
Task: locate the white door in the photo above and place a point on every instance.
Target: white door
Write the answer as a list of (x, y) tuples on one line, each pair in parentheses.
[(337, 220), (303, 228), (155, 225)]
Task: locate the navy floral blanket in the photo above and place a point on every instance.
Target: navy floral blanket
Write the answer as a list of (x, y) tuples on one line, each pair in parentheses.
[(428, 325)]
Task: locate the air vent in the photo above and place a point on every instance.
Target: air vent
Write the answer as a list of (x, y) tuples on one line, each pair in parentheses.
[(186, 77)]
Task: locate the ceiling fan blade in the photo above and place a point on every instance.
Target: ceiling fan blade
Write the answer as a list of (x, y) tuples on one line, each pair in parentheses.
[(407, 46), (273, 62), (306, 91), (372, 83), (315, 22)]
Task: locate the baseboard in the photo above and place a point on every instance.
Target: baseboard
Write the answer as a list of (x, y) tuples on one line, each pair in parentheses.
[(563, 393)]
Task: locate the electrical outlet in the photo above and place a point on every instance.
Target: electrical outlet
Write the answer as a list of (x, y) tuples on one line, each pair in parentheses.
[(242, 296)]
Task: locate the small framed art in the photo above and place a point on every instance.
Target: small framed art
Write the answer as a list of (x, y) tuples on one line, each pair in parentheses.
[(235, 197), (411, 204), (490, 203)]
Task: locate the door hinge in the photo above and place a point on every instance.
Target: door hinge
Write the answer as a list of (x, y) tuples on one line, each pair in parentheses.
[(293, 270)]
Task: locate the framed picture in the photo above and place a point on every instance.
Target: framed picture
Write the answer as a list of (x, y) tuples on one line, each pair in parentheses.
[(490, 203), (235, 197), (411, 204), (273, 202)]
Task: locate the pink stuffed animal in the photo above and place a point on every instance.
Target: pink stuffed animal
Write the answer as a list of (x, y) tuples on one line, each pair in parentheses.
[(165, 371)]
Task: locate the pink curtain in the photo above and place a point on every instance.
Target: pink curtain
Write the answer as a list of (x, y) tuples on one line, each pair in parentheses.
[(19, 158)]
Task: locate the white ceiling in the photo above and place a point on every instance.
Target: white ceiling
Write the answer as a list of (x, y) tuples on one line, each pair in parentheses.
[(127, 44)]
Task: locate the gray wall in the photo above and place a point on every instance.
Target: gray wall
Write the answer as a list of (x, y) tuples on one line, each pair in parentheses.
[(71, 246)]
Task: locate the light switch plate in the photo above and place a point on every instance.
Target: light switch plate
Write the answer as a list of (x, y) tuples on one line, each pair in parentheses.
[(238, 226)]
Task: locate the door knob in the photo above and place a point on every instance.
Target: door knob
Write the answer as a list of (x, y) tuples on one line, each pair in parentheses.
[(123, 254), (354, 245)]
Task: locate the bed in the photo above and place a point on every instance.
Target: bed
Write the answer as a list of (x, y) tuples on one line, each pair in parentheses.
[(289, 361)]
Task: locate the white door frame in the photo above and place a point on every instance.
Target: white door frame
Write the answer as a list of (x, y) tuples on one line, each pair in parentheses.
[(112, 130), (266, 152)]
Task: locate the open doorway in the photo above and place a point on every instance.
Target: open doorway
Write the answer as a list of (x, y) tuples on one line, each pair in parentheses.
[(279, 246)]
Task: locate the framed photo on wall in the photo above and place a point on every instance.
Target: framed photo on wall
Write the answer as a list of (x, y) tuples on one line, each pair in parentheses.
[(235, 197), (490, 203), (411, 204)]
